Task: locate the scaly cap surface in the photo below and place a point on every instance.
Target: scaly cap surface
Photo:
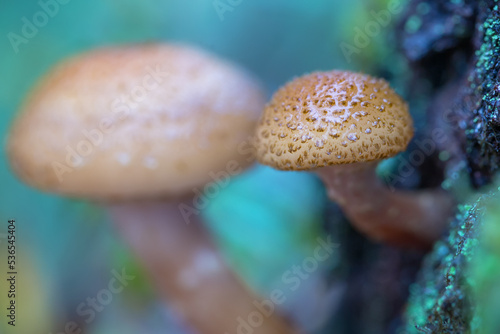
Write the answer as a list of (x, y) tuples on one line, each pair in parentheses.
[(329, 118)]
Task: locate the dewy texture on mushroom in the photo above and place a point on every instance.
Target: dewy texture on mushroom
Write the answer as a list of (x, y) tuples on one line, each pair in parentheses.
[(138, 128), (340, 124)]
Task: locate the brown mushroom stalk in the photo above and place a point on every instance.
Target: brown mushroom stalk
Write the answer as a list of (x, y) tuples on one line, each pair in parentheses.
[(400, 217), (187, 269), (340, 124), (137, 128)]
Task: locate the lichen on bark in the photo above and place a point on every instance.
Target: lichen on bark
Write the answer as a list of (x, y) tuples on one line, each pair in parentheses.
[(457, 57)]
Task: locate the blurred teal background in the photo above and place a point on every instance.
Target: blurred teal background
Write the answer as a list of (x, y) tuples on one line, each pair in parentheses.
[(264, 222)]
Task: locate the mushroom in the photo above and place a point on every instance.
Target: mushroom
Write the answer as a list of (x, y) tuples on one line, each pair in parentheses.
[(341, 124), (142, 129)]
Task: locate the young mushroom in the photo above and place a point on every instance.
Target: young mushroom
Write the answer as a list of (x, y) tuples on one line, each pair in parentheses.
[(341, 124), (142, 130)]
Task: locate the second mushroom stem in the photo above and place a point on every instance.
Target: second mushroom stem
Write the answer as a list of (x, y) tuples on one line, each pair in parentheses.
[(399, 217), (185, 267)]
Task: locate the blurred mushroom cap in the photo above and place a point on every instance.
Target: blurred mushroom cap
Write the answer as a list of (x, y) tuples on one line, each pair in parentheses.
[(329, 118), (138, 121)]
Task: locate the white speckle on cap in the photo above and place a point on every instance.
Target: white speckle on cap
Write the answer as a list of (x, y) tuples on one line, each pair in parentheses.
[(206, 262), (123, 158), (150, 162)]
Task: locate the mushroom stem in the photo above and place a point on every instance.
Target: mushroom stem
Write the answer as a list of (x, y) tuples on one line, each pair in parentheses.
[(403, 218), (184, 265)]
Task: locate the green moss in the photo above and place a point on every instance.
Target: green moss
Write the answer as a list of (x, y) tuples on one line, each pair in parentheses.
[(484, 273), (483, 99), (440, 300)]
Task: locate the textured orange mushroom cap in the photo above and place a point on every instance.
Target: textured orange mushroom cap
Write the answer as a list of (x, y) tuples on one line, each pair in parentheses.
[(329, 118), (167, 116)]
